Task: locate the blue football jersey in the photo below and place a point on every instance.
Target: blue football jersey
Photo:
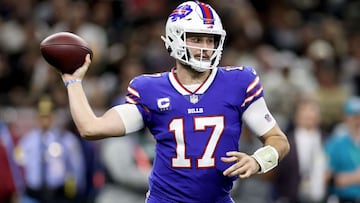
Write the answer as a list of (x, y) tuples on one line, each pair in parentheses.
[(193, 130)]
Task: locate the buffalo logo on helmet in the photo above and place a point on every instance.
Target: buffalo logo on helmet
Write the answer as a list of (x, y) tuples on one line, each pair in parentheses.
[(180, 12)]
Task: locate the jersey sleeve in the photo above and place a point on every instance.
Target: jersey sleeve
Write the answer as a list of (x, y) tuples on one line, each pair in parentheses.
[(254, 88), (255, 112), (134, 96)]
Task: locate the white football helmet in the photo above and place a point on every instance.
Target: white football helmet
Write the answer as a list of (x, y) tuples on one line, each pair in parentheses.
[(194, 17)]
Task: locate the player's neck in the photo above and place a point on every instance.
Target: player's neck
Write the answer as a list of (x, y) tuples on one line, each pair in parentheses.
[(188, 76)]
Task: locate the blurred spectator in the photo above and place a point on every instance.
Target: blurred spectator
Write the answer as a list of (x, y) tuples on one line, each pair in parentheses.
[(343, 154), (10, 176), (52, 159), (330, 93), (94, 169), (127, 176), (300, 178)]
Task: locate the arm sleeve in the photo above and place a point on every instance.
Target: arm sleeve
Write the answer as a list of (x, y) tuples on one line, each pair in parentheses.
[(131, 117), (258, 117)]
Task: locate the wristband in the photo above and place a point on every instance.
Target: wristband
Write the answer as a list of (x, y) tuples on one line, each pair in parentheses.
[(68, 82), (267, 157)]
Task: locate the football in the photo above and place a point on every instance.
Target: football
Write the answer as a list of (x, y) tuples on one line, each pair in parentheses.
[(65, 51)]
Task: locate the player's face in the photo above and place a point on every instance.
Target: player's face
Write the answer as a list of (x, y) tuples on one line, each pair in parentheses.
[(200, 45)]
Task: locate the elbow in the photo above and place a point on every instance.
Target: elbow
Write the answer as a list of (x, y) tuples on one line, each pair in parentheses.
[(86, 133), (286, 147), (88, 136)]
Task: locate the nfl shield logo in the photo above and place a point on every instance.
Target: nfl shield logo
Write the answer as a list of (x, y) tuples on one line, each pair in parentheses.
[(194, 98), (268, 117)]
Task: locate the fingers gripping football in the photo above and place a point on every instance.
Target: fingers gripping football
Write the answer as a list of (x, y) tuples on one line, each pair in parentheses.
[(244, 165), (80, 72)]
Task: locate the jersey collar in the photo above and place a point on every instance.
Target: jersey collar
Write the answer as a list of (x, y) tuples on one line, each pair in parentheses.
[(184, 91)]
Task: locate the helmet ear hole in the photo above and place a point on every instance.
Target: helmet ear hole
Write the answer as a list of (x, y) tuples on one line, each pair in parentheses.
[(217, 40), (169, 49)]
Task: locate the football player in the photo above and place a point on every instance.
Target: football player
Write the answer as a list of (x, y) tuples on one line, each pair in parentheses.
[(195, 112)]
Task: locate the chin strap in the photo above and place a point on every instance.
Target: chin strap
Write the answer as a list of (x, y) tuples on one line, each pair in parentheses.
[(267, 157)]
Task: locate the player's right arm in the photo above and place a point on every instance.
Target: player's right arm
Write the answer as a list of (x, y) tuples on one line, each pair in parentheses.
[(115, 122)]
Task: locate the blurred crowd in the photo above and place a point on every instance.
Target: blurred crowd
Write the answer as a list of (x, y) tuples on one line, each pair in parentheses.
[(307, 54)]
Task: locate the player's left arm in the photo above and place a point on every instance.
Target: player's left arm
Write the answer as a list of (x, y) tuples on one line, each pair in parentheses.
[(259, 120), (276, 139)]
